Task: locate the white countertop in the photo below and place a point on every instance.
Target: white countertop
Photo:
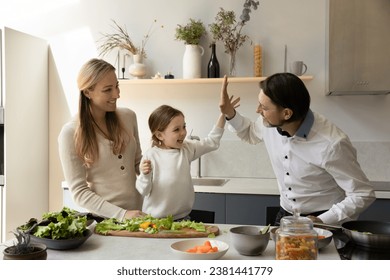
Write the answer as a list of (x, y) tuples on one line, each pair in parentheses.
[(270, 187), (99, 247), (243, 186), (264, 187)]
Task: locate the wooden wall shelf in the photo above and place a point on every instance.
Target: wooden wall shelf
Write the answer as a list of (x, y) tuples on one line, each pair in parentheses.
[(198, 81)]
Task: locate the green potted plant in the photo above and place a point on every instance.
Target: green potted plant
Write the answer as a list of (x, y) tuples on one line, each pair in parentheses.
[(23, 249), (191, 33)]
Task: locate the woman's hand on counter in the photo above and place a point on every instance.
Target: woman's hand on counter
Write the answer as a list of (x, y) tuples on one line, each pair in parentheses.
[(134, 213)]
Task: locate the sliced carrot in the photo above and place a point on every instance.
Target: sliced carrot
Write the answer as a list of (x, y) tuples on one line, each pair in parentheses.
[(191, 250), (214, 249), (203, 249)]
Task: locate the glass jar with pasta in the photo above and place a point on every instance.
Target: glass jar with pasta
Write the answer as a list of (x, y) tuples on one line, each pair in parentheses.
[(296, 239)]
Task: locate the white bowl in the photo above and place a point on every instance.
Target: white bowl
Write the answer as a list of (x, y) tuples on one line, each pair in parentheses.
[(180, 247), (323, 242)]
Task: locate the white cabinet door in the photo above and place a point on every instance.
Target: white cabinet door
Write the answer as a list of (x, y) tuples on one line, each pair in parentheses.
[(25, 84)]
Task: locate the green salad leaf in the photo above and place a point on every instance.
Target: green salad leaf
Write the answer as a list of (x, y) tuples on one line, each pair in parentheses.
[(147, 224), (64, 224)]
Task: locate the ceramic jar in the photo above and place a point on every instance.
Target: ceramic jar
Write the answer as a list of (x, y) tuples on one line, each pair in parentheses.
[(137, 69), (192, 61)]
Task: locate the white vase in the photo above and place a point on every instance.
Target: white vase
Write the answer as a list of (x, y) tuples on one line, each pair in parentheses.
[(137, 69), (192, 61)]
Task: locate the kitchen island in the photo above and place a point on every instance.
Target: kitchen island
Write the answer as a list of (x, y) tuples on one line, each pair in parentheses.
[(99, 247), (238, 199)]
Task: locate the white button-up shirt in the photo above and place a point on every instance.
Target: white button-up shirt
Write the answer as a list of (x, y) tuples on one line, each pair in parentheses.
[(316, 168)]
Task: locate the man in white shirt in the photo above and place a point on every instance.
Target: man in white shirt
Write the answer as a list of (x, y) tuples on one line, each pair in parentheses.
[(314, 161)]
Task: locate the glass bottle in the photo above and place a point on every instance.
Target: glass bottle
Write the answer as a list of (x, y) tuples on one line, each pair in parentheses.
[(296, 239), (213, 66)]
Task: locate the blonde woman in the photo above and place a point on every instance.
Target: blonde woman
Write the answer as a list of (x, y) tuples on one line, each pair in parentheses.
[(99, 149)]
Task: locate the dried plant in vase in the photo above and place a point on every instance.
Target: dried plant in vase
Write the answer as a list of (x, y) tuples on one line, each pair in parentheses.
[(227, 29), (122, 40)]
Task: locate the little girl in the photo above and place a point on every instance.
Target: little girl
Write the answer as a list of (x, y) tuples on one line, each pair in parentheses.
[(165, 179)]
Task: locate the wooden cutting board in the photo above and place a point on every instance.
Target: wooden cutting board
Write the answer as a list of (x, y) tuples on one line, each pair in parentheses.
[(183, 233)]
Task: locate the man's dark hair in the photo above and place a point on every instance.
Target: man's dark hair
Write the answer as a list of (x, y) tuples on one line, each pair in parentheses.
[(288, 91)]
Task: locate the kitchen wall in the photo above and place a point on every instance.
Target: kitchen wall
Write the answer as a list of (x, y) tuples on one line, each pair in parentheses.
[(72, 28), (234, 158)]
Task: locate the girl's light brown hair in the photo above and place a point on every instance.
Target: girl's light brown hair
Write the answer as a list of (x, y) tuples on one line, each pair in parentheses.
[(159, 119), (85, 136)]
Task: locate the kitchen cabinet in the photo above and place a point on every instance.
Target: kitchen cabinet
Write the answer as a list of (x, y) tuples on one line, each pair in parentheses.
[(357, 68), (251, 209), (236, 208), (215, 202), (378, 211), (25, 95)]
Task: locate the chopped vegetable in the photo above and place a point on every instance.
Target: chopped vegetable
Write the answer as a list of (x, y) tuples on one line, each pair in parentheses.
[(147, 224), (203, 249), (265, 230), (296, 248)]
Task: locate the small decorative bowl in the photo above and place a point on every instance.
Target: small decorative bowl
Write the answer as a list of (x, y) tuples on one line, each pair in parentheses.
[(248, 240), (180, 247)]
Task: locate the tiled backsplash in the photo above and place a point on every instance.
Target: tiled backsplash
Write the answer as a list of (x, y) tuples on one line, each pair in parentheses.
[(239, 159), (374, 158)]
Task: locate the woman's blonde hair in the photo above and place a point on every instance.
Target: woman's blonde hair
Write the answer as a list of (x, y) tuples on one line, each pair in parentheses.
[(85, 136)]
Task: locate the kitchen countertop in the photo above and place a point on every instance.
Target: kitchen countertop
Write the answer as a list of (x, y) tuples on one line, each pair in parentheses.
[(99, 247), (270, 187), (264, 186)]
